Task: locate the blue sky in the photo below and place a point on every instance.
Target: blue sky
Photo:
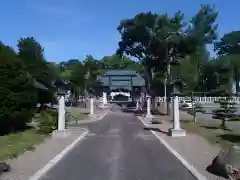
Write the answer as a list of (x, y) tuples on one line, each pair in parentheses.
[(74, 28)]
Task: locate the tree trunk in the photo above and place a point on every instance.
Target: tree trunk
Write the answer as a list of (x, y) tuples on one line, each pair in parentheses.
[(237, 85), (195, 118), (168, 88), (223, 125)]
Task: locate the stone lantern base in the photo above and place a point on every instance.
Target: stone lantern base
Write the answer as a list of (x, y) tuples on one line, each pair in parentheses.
[(177, 132), (149, 116), (61, 133), (103, 106)]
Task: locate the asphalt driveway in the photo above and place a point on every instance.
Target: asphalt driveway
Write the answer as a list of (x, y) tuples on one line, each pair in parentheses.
[(119, 148)]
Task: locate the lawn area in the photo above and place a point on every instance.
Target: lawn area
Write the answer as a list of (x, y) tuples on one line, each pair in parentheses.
[(213, 134), (74, 114), (15, 144)]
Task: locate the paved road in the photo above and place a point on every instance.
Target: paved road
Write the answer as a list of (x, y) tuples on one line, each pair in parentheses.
[(118, 148)]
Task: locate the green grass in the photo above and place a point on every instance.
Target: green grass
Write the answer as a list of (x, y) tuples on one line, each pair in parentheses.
[(74, 114), (213, 134), (14, 144)]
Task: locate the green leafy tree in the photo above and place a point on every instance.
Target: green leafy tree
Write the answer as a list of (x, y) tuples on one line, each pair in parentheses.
[(228, 47), (18, 97), (228, 44), (77, 79), (91, 72), (116, 62), (225, 112), (32, 57), (136, 39), (159, 40)]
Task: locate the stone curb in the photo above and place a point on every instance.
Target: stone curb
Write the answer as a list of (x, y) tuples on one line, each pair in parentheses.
[(184, 162), (58, 157)]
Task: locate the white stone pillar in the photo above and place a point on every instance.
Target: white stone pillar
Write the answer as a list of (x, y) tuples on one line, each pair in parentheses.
[(149, 115), (176, 116), (111, 96), (104, 98), (61, 131), (176, 131), (91, 106), (137, 105), (61, 113)]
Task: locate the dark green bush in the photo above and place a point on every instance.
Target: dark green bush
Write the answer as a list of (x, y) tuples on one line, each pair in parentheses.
[(18, 97), (235, 118), (48, 121), (225, 112)]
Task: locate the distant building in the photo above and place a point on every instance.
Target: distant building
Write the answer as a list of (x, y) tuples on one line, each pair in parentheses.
[(120, 80)]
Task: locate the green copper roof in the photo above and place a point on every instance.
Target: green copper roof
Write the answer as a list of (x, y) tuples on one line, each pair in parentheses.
[(122, 78), (39, 85), (120, 72)]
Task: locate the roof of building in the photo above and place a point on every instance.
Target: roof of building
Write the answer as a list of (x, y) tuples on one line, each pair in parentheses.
[(39, 85), (121, 78), (177, 81), (120, 72)]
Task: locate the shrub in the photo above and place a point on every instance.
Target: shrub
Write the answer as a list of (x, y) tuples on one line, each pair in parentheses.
[(48, 121)]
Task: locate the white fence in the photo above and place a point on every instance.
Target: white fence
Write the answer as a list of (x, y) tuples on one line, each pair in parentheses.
[(201, 100)]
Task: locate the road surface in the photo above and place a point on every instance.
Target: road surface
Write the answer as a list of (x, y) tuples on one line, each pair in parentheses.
[(119, 148)]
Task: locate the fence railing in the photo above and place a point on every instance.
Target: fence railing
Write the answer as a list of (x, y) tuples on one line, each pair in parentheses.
[(201, 100)]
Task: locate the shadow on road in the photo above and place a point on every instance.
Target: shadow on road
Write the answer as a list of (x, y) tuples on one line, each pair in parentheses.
[(138, 112), (230, 137), (143, 111), (156, 121), (210, 127), (155, 129), (214, 128)]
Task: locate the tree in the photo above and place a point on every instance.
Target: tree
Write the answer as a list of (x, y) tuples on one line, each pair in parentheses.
[(225, 112), (18, 97), (228, 47), (77, 78), (91, 72), (31, 54), (32, 57), (159, 40), (136, 38), (228, 44)]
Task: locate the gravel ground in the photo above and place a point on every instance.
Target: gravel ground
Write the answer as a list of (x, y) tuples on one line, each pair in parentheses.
[(195, 149)]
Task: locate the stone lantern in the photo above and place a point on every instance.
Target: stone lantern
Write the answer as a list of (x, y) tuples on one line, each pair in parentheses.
[(62, 89), (176, 131)]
